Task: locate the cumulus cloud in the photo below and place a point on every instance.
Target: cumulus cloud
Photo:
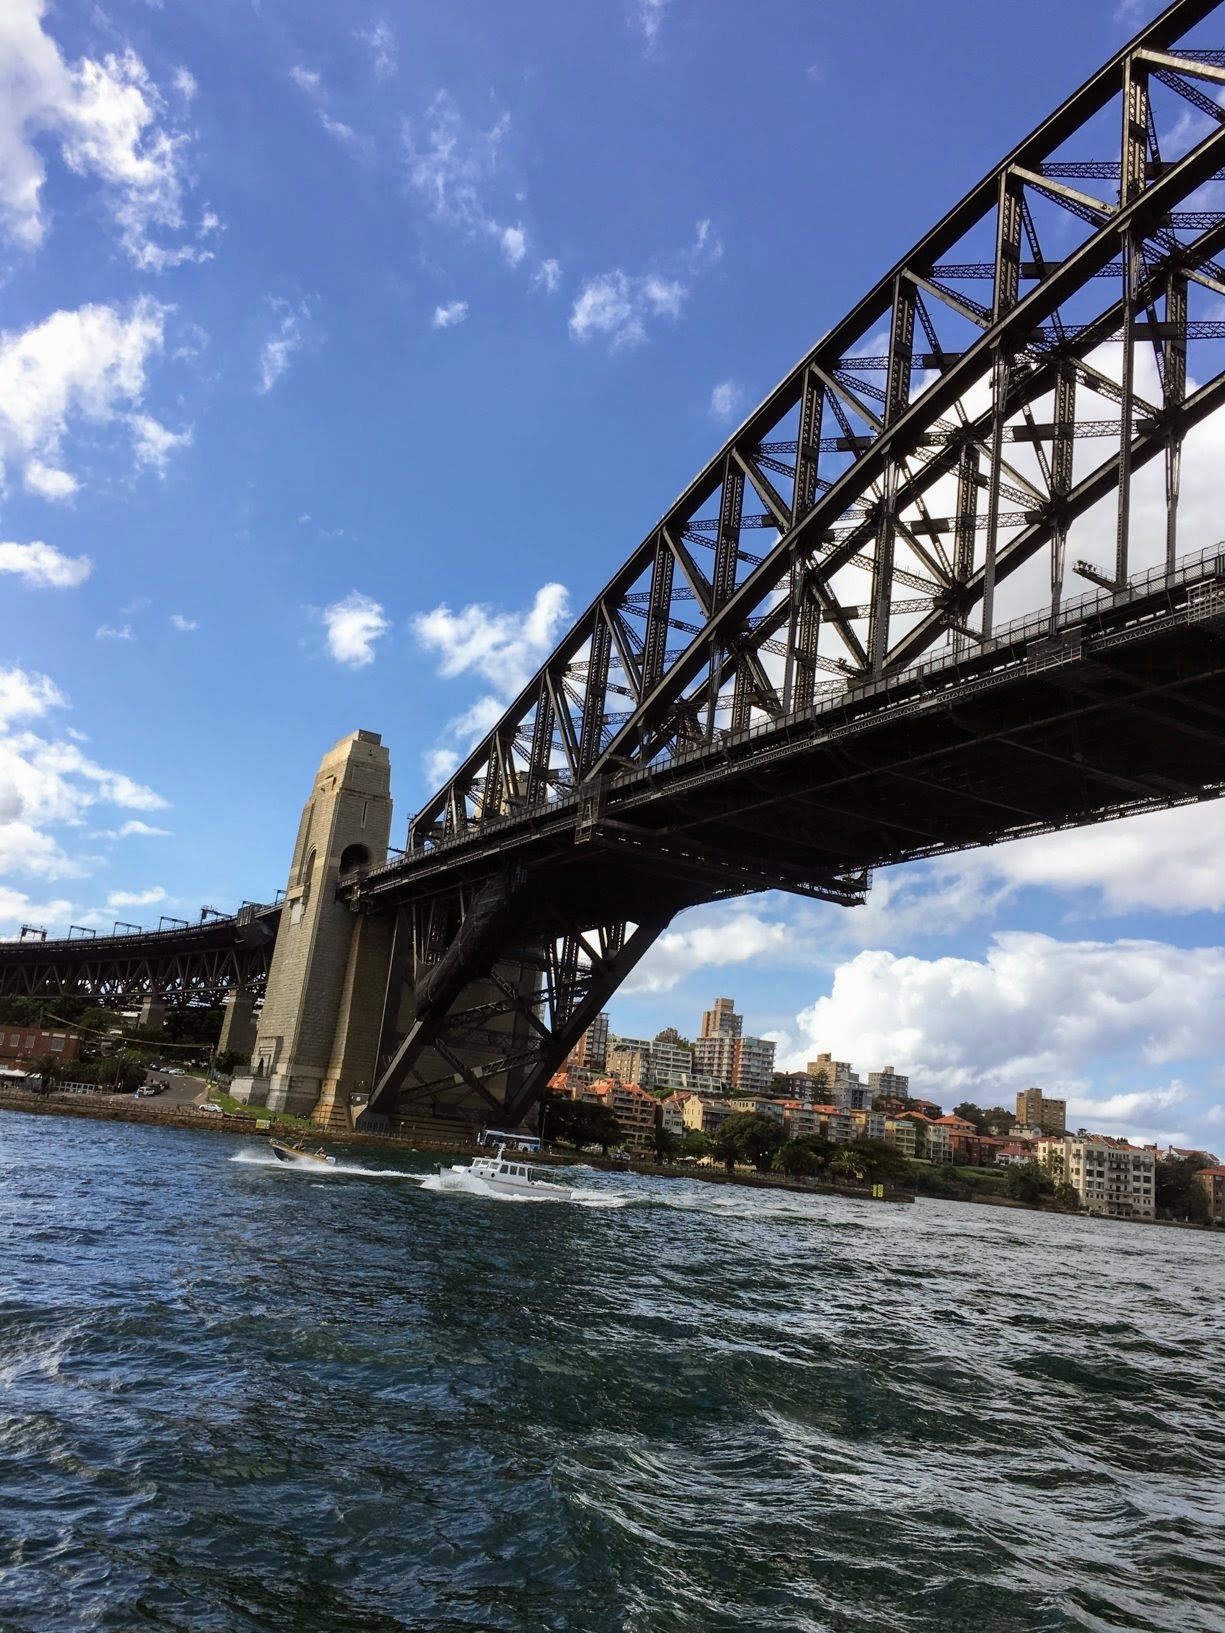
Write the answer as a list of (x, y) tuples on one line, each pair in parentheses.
[(114, 632), (503, 648), (85, 367), (288, 338), (380, 40), (132, 830), (725, 400), (48, 786), (353, 625), (446, 317), (181, 623), (1032, 1010), (108, 121), (739, 938), (42, 567)]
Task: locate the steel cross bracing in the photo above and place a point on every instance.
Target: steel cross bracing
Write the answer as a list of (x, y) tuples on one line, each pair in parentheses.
[(976, 433)]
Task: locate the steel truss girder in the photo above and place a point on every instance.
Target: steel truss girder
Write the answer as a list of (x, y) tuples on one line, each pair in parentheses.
[(900, 447)]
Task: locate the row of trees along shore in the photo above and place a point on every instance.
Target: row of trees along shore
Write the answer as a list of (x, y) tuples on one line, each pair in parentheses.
[(753, 1139)]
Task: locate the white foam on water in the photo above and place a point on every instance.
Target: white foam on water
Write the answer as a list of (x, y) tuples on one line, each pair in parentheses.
[(264, 1159)]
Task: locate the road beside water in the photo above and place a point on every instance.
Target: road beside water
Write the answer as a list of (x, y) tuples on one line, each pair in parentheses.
[(238, 1397)]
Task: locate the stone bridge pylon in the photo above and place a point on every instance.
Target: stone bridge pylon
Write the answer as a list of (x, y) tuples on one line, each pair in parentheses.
[(318, 1032)]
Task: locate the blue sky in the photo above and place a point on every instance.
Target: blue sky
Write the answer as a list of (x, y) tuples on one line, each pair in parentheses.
[(346, 348)]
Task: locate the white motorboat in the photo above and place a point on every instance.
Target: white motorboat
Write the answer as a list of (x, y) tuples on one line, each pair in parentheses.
[(298, 1157), (500, 1176)]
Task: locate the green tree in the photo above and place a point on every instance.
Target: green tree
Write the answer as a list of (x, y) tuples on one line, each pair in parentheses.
[(666, 1145), (1029, 1182), (880, 1162), (804, 1157), (695, 1145), (749, 1136), (846, 1164), (672, 1036), (972, 1114), (1177, 1194)]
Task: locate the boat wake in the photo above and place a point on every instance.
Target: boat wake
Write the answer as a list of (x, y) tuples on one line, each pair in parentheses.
[(265, 1159)]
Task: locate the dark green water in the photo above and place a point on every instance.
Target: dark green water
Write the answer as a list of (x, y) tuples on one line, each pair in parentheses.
[(233, 1397)]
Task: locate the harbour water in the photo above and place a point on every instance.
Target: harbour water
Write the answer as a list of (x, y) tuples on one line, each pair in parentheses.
[(237, 1397)]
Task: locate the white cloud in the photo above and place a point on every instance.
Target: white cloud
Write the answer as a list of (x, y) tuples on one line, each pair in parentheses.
[(451, 167), (136, 898), (738, 938), (132, 830), (725, 400), (650, 16), (514, 244), (114, 632), (89, 365), (380, 40), (48, 784), (354, 625), (184, 83), (438, 764), (446, 317), (286, 339), (183, 624), (42, 567), (547, 276), (311, 85), (616, 307), (1033, 1010), (108, 121), (153, 443), (707, 246), (505, 648)]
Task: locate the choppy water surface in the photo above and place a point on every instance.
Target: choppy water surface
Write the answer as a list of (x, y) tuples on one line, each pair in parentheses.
[(236, 1397)]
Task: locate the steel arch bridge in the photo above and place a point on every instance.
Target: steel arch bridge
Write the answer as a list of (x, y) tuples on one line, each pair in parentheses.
[(811, 665), (959, 578)]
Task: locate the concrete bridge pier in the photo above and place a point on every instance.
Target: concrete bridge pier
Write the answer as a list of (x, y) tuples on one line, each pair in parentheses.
[(317, 1038), (152, 1017), (238, 1023)]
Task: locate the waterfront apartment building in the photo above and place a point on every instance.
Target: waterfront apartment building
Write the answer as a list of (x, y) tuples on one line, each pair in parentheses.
[(722, 1020), (591, 1050), (1037, 1110), (842, 1083), (1109, 1176), (743, 1063), (888, 1084), (650, 1064)]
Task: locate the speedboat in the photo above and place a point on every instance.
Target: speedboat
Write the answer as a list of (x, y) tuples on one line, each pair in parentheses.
[(485, 1175), (299, 1157)]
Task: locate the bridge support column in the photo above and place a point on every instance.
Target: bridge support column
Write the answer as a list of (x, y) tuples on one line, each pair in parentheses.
[(313, 1044), (152, 1015), (238, 1024)]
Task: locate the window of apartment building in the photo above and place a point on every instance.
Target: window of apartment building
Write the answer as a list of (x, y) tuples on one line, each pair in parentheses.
[(57, 1043)]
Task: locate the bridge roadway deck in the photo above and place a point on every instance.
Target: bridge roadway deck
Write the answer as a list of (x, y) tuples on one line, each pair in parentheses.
[(1121, 709)]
